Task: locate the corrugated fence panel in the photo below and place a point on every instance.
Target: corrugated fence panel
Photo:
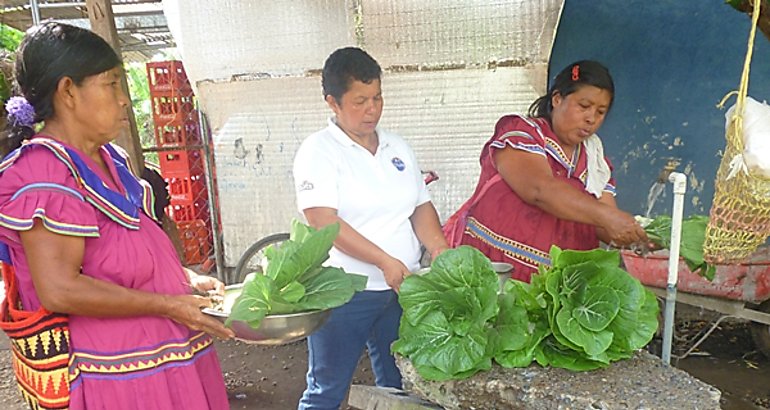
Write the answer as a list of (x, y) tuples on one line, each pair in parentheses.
[(258, 126), (220, 39), (420, 32)]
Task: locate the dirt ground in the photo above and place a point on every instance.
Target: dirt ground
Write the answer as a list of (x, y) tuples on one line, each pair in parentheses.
[(272, 378)]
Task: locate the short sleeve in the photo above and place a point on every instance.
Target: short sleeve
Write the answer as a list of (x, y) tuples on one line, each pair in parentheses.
[(315, 175), (610, 187), (39, 185), (519, 133), (423, 195)]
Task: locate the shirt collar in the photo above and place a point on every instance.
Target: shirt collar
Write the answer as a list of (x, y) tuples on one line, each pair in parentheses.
[(344, 139)]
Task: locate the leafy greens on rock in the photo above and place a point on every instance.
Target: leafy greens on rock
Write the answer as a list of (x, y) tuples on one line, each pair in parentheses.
[(582, 313), (295, 280)]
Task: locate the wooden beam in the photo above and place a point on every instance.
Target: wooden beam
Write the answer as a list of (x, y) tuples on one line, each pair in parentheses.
[(103, 23), (764, 13)]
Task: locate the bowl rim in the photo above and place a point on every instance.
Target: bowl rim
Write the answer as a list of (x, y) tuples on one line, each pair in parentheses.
[(225, 315)]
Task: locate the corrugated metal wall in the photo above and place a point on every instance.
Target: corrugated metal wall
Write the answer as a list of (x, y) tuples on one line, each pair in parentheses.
[(451, 69)]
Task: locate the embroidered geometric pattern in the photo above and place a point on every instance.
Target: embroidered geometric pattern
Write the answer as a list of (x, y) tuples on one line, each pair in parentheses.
[(40, 365), (128, 365), (526, 254), (39, 349)]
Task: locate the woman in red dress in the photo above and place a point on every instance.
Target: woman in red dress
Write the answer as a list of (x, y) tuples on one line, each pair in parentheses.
[(545, 179)]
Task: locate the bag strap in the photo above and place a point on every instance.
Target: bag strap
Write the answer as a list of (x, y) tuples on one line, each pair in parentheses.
[(485, 188)]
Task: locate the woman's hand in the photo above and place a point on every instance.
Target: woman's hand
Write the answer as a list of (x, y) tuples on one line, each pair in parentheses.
[(186, 310), (206, 285), (394, 271), (622, 229)]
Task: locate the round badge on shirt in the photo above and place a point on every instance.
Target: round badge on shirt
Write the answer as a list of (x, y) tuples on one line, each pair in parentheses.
[(398, 163)]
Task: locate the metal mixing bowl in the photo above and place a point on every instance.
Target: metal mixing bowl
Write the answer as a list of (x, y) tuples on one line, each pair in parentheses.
[(274, 329)]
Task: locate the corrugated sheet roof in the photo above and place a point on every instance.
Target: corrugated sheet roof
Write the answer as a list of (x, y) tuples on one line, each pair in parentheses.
[(141, 24)]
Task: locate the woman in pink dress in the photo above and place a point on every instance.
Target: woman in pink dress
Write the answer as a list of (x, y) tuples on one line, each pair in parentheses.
[(86, 251), (545, 179)]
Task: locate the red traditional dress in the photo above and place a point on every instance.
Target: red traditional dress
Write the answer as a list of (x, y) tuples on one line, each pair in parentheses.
[(507, 229), (141, 362)]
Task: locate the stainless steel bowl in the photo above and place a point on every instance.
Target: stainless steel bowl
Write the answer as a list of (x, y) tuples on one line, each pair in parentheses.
[(274, 329)]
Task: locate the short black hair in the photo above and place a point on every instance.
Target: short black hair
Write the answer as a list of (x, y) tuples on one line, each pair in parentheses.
[(570, 79), (346, 65)]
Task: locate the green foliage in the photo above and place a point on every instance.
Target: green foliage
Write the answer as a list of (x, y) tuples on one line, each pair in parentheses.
[(690, 245), (581, 314), (139, 89), (295, 280), (9, 37), (448, 314), (596, 312)]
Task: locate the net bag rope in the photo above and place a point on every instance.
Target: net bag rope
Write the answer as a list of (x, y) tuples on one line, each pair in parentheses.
[(739, 220)]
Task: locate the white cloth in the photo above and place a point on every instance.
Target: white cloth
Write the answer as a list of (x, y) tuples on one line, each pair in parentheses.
[(375, 194), (599, 172)]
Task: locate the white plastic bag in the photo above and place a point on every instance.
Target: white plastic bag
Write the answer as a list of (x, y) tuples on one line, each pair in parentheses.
[(756, 136)]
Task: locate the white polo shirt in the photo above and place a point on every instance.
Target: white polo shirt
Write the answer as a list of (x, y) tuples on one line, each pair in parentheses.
[(375, 194)]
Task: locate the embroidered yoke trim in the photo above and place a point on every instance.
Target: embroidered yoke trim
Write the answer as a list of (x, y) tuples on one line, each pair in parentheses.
[(129, 365), (525, 254), (49, 223), (122, 209)]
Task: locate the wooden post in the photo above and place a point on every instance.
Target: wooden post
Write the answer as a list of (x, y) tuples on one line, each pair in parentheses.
[(103, 23)]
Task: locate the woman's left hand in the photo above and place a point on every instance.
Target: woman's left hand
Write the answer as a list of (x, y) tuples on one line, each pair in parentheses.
[(206, 285)]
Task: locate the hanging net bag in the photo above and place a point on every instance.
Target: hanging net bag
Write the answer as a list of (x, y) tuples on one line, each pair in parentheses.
[(739, 220)]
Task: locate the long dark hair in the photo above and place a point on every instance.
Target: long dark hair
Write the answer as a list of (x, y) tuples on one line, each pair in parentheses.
[(571, 79), (48, 53), (343, 67)]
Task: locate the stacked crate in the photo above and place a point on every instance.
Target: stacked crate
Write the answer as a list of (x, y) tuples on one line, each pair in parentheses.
[(176, 126)]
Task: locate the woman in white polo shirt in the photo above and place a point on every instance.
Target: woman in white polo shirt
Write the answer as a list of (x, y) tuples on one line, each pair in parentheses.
[(368, 180)]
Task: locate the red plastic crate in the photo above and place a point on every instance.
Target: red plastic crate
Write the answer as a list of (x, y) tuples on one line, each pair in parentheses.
[(187, 188), (749, 281), (165, 76), (173, 109), (195, 240), (174, 134), (188, 211), (181, 163)]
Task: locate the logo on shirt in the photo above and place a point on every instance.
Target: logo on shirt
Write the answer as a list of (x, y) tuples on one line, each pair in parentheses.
[(305, 186), (398, 163)]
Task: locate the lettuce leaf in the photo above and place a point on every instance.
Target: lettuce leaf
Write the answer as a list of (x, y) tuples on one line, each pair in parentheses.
[(690, 244), (295, 279)]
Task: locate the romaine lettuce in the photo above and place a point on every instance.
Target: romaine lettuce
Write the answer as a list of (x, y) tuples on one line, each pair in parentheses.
[(581, 313), (295, 279)]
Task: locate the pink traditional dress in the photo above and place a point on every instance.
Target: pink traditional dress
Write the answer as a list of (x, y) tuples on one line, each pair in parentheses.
[(146, 362), (507, 229)]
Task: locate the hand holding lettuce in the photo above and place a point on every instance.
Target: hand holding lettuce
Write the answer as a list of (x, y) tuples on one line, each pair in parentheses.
[(295, 280), (580, 314), (690, 245)]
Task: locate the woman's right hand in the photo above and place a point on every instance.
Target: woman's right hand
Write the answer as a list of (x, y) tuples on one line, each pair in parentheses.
[(622, 229), (394, 271), (186, 310)]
